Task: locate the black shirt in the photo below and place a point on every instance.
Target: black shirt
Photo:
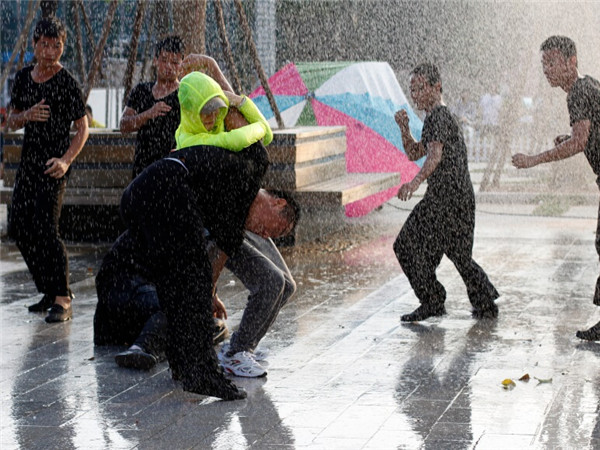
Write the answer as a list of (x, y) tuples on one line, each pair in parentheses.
[(50, 139), (583, 102), (450, 181), (225, 184), (156, 138)]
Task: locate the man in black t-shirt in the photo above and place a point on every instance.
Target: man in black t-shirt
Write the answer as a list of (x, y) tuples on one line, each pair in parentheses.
[(443, 222), (559, 61), (153, 107), (45, 99)]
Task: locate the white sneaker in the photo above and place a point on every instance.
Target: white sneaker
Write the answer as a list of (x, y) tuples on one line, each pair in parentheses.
[(259, 353), (242, 364)]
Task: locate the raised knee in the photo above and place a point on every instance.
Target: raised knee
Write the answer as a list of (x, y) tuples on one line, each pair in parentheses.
[(290, 288), (401, 250)]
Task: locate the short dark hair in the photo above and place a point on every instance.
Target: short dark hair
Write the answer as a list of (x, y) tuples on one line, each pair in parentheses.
[(171, 44), (50, 28), (291, 212), (429, 71), (561, 43), (88, 108)]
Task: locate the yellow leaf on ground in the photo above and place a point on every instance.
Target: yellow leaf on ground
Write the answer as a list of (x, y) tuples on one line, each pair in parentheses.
[(508, 383)]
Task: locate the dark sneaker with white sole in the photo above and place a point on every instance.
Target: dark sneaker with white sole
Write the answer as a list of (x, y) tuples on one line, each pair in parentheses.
[(135, 358), (43, 305), (59, 314), (489, 311), (424, 312)]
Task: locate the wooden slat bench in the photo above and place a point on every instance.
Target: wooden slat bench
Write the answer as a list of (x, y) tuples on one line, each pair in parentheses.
[(308, 161)]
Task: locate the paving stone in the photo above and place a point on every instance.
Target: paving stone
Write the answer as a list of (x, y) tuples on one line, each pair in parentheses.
[(343, 371)]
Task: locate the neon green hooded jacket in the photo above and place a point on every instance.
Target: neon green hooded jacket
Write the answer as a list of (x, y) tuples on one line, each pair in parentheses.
[(195, 90)]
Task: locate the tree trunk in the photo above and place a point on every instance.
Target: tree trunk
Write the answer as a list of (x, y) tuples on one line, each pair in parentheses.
[(88, 30), (257, 65), (162, 18), (137, 28), (226, 47), (22, 39), (151, 31), (79, 41), (189, 19), (97, 60)]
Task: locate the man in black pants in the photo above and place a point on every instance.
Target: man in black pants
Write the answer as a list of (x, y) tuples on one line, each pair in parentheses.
[(559, 60), (166, 209), (45, 100), (128, 310), (443, 222)]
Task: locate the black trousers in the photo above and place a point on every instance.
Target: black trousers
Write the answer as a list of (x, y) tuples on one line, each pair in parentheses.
[(597, 291), (432, 230), (161, 213), (34, 214), (128, 310)]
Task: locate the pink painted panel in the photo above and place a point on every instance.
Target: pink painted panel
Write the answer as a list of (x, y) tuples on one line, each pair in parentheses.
[(366, 151), (287, 81)]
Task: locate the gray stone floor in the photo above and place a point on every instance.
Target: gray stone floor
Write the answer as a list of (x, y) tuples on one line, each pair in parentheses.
[(344, 373)]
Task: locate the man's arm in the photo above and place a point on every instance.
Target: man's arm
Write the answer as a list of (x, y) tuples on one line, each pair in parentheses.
[(59, 166), (576, 143), (414, 150), (205, 64), (434, 156), (17, 119), (132, 121)]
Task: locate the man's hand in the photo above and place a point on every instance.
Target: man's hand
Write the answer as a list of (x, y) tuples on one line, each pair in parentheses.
[(57, 167), (401, 118), (561, 138), (40, 112), (219, 310), (522, 161), (159, 109), (406, 190), (234, 99)]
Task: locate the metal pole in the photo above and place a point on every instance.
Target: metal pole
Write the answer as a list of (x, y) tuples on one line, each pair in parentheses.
[(226, 47), (257, 65), (100, 49), (137, 29)]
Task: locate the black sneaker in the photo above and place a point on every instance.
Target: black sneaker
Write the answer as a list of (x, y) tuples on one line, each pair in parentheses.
[(424, 312), (43, 305), (219, 387), (59, 314), (489, 311), (220, 331), (136, 359), (592, 334)]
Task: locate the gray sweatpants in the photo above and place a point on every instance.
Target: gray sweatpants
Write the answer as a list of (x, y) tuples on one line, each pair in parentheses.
[(261, 268)]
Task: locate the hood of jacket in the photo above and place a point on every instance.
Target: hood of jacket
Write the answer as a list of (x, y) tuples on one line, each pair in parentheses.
[(195, 90)]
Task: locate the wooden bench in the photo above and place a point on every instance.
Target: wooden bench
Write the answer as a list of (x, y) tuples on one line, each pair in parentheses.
[(309, 161)]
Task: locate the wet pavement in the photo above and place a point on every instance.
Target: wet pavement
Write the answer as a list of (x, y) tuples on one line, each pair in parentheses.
[(343, 372)]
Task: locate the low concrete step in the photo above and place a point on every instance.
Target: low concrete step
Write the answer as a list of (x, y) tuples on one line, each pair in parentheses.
[(346, 189), (323, 204)]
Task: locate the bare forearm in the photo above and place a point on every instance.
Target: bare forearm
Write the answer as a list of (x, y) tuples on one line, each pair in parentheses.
[(131, 123), (564, 150), (207, 65), (77, 144), (414, 149), (428, 168), (218, 258)]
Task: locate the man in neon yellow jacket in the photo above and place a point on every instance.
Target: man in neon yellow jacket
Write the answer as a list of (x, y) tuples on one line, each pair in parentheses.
[(204, 107)]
